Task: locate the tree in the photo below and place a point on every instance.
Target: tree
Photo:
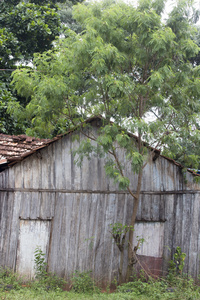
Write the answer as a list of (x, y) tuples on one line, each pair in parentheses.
[(25, 28), (125, 65), (33, 26)]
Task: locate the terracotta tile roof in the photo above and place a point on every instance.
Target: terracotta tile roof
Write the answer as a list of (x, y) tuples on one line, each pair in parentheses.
[(15, 147)]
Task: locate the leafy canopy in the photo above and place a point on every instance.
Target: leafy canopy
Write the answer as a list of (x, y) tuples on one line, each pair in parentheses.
[(126, 64), (26, 27)]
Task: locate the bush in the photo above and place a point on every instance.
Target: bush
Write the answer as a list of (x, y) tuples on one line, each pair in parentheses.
[(178, 287), (9, 280), (44, 279), (83, 283)]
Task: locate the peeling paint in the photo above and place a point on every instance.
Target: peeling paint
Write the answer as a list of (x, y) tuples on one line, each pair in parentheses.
[(32, 234)]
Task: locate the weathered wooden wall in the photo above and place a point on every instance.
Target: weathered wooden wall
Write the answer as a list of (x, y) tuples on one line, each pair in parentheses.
[(81, 203)]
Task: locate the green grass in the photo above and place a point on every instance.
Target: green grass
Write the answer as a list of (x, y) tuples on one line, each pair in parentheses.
[(49, 286), (132, 291), (27, 294)]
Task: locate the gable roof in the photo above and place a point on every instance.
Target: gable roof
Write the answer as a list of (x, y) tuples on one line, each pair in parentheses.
[(14, 148)]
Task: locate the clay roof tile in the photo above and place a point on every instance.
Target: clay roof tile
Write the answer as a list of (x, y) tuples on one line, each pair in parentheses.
[(15, 147)]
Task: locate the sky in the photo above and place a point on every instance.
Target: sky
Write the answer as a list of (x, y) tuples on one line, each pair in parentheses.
[(169, 6)]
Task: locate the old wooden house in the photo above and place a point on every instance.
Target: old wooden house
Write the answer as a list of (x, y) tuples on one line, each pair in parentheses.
[(46, 200)]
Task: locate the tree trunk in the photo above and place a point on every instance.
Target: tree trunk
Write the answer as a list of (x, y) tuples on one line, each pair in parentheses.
[(132, 250), (121, 266)]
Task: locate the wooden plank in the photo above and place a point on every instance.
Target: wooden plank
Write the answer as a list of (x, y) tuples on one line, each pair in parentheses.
[(66, 160), (4, 224), (3, 179), (91, 233), (58, 164), (169, 228), (177, 233), (18, 176), (85, 174), (197, 198), (193, 251), (146, 207), (1, 175), (14, 229), (93, 177), (187, 202), (27, 173), (11, 178), (156, 175), (82, 259), (107, 241), (51, 167), (139, 211), (162, 208), (72, 251), (25, 206), (146, 179), (114, 252), (57, 246), (101, 175), (44, 165), (62, 242), (69, 200), (75, 170), (100, 238), (7, 223), (36, 169), (35, 205), (169, 176), (46, 205), (155, 208)]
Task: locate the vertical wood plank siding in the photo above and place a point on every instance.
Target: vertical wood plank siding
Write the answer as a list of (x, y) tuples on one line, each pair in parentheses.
[(48, 185)]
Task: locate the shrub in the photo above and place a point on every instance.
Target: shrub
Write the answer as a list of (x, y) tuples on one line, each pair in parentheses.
[(44, 279), (83, 283), (9, 280)]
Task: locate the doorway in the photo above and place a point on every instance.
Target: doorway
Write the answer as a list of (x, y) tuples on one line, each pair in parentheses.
[(32, 234)]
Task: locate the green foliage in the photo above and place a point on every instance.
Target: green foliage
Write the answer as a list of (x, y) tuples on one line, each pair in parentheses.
[(119, 232), (120, 229), (182, 288), (176, 265), (40, 263), (9, 48), (83, 283), (33, 26), (66, 18), (25, 29), (45, 279), (138, 287), (8, 118), (11, 287), (9, 280), (28, 27), (86, 149), (113, 172), (125, 64)]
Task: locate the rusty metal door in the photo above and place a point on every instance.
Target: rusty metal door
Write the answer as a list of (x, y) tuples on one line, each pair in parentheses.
[(32, 234)]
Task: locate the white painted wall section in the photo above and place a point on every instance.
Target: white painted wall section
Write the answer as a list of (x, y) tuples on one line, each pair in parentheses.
[(32, 233), (153, 234)]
